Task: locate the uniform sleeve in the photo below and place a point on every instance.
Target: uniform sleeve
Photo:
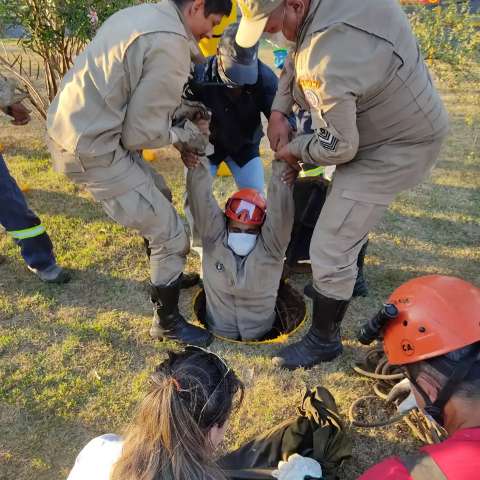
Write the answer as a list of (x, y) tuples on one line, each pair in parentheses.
[(334, 139), (389, 469), (343, 64), (158, 65), (208, 218), (277, 229), (283, 101), (268, 91)]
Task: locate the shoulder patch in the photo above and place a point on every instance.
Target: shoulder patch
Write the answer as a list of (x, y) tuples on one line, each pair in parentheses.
[(312, 98), (309, 83), (327, 140)]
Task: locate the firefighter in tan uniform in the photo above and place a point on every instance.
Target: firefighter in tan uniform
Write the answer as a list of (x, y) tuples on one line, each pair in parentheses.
[(375, 114), (243, 250), (118, 98)]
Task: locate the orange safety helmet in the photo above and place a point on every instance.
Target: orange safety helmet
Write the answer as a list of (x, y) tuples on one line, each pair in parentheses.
[(436, 315), (247, 206)]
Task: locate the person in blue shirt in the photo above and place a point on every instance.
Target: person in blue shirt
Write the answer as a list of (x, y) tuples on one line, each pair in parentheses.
[(237, 88)]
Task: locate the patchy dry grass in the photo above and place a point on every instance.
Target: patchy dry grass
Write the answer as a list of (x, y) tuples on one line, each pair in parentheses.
[(74, 359)]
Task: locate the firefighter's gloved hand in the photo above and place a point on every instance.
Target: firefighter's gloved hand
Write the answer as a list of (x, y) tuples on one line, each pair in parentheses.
[(189, 110), (298, 468), (191, 138), (403, 388)]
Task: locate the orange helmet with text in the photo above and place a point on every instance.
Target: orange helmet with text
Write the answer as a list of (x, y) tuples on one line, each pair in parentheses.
[(436, 315), (247, 206)]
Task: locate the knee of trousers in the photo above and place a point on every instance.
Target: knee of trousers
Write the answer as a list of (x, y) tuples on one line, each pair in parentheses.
[(340, 232), (147, 210), (334, 271), (167, 258), (178, 244)]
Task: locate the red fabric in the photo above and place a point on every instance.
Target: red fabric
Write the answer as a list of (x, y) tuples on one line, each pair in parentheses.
[(390, 469), (458, 457)]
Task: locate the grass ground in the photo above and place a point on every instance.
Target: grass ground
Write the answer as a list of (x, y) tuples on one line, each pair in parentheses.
[(74, 359)]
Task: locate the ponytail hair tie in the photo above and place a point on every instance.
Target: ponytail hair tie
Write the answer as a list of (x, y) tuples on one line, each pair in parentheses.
[(176, 384), (160, 381)]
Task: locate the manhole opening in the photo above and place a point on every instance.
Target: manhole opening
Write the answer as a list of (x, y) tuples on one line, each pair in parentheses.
[(291, 313)]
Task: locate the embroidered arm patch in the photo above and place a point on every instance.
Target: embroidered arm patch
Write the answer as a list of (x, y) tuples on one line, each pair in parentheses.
[(327, 140)]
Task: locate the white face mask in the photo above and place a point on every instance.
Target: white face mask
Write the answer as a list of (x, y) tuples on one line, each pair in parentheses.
[(241, 243)]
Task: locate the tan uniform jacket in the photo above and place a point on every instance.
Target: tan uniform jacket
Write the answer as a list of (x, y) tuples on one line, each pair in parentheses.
[(375, 112), (120, 96), (241, 293)]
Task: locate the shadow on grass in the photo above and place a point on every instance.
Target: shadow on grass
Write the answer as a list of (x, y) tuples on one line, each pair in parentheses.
[(88, 288), (54, 441), (46, 202), (28, 152)]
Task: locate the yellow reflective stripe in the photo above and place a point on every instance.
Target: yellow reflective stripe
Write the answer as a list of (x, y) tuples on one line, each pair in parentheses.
[(314, 172), (27, 232)]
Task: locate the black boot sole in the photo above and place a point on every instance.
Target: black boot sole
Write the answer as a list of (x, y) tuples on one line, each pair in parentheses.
[(318, 359), (162, 336)]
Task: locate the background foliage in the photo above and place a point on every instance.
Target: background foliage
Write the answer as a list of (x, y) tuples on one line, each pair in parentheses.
[(449, 38), (56, 31), (447, 35)]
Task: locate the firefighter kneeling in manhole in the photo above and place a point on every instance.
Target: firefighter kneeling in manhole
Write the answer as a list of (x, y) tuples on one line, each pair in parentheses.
[(243, 251)]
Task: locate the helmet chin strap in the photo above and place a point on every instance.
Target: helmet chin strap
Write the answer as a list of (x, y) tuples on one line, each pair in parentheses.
[(435, 409)]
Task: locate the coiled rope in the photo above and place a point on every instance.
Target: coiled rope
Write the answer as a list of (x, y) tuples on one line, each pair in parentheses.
[(375, 366)]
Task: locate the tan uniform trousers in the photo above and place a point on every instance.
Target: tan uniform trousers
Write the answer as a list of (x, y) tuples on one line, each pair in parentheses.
[(148, 209), (339, 235), (135, 196), (348, 216)]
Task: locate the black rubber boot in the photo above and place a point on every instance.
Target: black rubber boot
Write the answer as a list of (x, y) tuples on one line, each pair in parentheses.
[(188, 280), (168, 323), (322, 343), (361, 288)]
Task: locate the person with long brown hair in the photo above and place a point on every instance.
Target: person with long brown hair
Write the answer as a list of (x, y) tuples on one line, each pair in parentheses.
[(176, 428)]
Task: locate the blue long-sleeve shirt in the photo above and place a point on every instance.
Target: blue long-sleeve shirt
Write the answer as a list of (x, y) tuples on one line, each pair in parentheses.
[(236, 126)]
